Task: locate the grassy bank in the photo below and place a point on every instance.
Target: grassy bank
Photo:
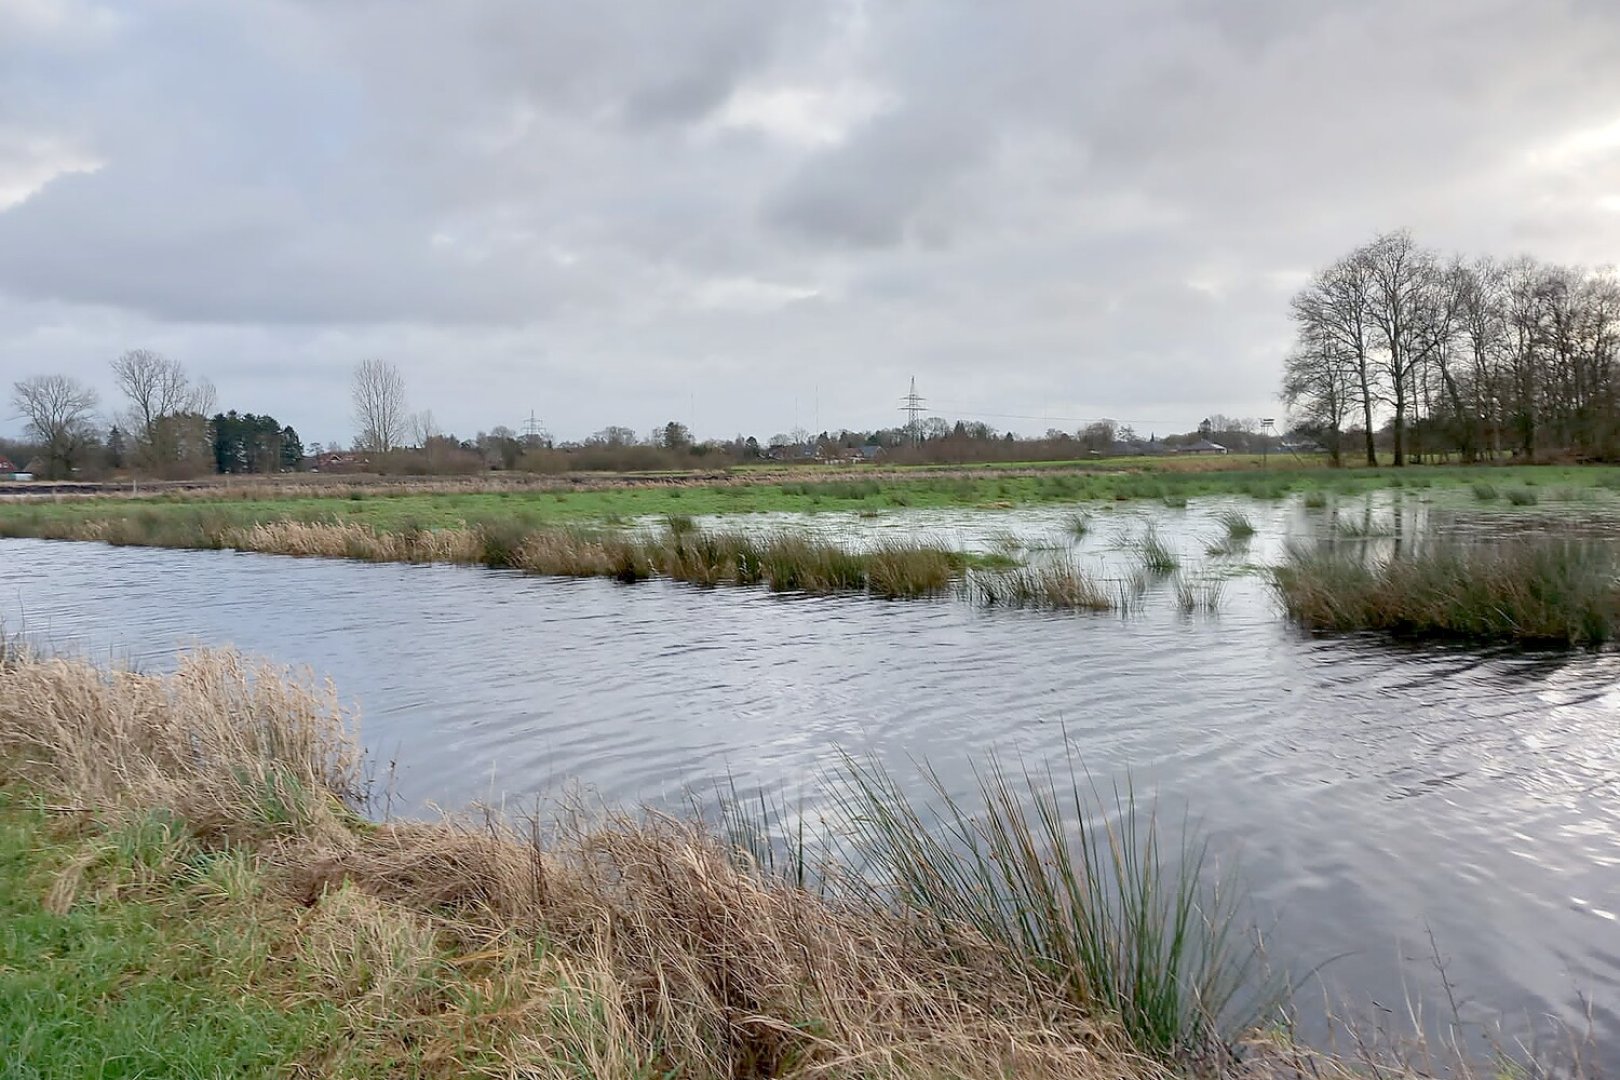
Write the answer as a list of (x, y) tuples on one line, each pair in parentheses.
[(189, 887), (1546, 591), (402, 507), (188, 880)]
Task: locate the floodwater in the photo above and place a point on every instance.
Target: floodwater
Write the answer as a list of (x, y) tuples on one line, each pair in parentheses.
[(1382, 804)]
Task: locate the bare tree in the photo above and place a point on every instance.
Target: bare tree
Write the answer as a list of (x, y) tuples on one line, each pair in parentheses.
[(423, 428), (1319, 386), (1467, 357), (1402, 276), (1332, 313), (58, 411), (378, 393), (160, 394)]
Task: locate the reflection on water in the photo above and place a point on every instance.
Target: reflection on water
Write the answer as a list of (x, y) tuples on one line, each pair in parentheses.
[(1372, 793)]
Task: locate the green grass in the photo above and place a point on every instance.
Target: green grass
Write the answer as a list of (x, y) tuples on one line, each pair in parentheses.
[(1053, 584), (1077, 888), (120, 987), (1543, 591), (392, 509), (1153, 554), (1237, 524)]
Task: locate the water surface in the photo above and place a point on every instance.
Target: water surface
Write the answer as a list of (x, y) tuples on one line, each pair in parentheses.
[(1372, 794)]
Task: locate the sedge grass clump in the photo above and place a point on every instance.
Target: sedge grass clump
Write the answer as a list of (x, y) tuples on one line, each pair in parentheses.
[(1078, 525), (1236, 523), (1153, 554), (1079, 892), (900, 570), (1199, 595), (1557, 592), (1521, 496), (1485, 492), (1316, 499), (1054, 584)]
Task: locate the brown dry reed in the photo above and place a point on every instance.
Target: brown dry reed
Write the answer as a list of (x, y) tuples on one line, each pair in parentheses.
[(609, 946), (783, 561)]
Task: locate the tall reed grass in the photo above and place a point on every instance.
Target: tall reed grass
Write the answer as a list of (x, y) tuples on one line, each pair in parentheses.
[(1547, 591), (1078, 890), (784, 560)]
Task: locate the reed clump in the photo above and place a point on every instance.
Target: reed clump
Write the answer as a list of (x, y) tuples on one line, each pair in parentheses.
[(1199, 594), (604, 945), (1153, 554), (1237, 524), (1558, 592), (1078, 890), (784, 561), (1056, 584)]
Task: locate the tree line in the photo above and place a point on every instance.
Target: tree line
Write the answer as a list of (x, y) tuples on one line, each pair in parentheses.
[(167, 426), (1443, 356)]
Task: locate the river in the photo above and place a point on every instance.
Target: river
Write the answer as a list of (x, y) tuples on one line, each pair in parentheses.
[(1371, 795)]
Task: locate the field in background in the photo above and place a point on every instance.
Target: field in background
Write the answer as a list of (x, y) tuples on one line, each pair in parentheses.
[(390, 505)]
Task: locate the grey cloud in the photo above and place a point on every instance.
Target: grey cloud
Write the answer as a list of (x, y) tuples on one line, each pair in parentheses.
[(1090, 207)]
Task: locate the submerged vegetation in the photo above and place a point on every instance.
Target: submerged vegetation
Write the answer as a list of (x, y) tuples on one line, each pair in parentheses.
[(1542, 591), (203, 834)]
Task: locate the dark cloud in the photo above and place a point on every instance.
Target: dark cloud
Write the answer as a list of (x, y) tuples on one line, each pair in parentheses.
[(613, 212)]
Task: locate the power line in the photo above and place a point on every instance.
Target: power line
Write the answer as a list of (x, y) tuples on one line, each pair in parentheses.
[(913, 408)]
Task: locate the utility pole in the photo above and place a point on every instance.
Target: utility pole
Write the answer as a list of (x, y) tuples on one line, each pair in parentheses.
[(913, 409), (1265, 440), (531, 429)]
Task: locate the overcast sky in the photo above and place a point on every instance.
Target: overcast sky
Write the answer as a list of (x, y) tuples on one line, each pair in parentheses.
[(753, 215)]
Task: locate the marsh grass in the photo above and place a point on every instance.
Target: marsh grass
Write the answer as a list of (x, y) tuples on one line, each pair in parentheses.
[(1316, 500), (1521, 496), (1227, 547), (1545, 591), (1056, 584), (1485, 492), (1079, 891), (1153, 554), (1237, 524), (1078, 525), (598, 944), (1200, 594), (1367, 527)]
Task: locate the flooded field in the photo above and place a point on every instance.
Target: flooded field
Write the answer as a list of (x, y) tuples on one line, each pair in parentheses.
[(1372, 795)]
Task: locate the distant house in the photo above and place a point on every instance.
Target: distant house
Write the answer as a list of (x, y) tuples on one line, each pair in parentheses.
[(339, 461), (1201, 446), (6, 466), (868, 453)]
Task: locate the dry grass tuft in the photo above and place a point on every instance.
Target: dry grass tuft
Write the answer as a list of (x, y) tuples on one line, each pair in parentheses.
[(617, 946)]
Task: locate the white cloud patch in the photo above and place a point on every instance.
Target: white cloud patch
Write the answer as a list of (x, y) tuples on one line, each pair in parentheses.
[(805, 116), (29, 162)]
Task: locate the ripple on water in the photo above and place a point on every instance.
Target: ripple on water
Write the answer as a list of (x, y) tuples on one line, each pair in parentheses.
[(1372, 794)]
